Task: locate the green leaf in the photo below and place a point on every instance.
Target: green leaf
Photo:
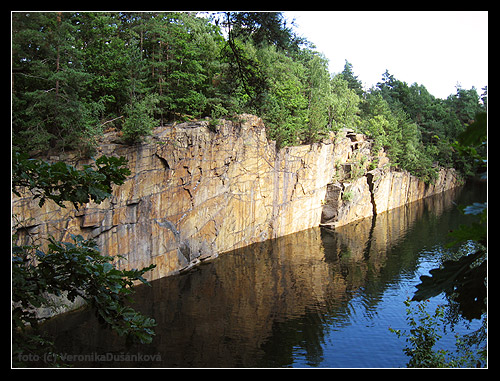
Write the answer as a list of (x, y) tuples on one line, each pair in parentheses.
[(115, 287), (461, 278)]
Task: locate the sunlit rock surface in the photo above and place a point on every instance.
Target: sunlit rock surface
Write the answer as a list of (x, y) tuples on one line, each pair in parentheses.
[(196, 191)]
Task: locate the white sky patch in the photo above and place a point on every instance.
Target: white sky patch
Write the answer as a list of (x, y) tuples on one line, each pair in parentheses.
[(436, 49)]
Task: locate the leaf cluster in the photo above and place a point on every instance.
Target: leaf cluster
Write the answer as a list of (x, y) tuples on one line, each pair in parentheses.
[(62, 182), (73, 269), (464, 279), (425, 331), (70, 269)]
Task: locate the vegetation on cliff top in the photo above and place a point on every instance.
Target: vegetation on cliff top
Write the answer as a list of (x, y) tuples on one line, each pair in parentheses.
[(78, 74)]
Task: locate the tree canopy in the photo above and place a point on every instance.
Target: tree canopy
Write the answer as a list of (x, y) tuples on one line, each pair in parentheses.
[(78, 74)]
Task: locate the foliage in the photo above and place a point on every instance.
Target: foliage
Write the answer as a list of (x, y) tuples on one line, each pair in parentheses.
[(70, 269), (61, 182), (318, 93), (465, 279), (422, 337), (344, 105), (437, 122), (48, 82), (76, 74), (285, 105), (425, 332), (75, 269), (347, 195), (398, 135), (352, 80), (264, 28), (139, 120)]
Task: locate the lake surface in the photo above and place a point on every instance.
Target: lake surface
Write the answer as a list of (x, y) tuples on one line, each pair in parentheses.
[(317, 298)]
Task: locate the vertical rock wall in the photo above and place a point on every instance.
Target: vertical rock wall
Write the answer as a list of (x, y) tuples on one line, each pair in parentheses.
[(193, 193), (196, 191), (377, 191)]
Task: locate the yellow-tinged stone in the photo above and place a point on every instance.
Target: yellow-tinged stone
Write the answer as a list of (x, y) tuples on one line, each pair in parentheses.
[(194, 193)]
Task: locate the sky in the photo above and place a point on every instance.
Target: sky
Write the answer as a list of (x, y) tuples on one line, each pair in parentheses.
[(437, 49)]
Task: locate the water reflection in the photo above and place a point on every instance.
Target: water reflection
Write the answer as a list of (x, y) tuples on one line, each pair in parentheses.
[(263, 304)]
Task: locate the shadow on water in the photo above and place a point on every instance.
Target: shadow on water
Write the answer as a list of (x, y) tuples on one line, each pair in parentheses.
[(271, 303)]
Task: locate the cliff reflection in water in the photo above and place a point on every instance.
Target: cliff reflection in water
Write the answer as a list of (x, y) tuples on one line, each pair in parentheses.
[(253, 306)]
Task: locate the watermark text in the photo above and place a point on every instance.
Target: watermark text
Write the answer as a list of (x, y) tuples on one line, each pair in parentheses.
[(51, 357)]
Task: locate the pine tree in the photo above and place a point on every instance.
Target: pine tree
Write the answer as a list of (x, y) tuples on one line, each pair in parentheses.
[(352, 80), (48, 82)]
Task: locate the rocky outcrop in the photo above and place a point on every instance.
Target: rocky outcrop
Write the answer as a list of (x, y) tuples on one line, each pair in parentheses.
[(193, 193), (196, 191), (377, 191)]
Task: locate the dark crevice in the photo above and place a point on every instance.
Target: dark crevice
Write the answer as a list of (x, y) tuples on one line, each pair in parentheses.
[(369, 179), (163, 161)]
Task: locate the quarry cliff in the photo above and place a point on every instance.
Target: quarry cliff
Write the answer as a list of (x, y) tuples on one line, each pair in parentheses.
[(198, 190)]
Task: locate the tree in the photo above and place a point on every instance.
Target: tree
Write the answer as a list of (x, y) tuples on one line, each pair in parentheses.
[(48, 81), (139, 120), (76, 73), (105, 54), (284, 105), (264, 28), (377, 120), (179, 60), (393, 129), (244, 68), (344, 104), (352, 80), (439, 122), (72, 268), (465, 104), (464, 279), (319, 94)]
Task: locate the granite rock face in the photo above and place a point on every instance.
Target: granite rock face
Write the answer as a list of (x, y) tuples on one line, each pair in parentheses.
[(193, 193), (378, 191), (196, 191)]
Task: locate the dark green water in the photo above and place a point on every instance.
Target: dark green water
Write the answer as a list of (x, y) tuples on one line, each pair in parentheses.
[(313, 299)]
